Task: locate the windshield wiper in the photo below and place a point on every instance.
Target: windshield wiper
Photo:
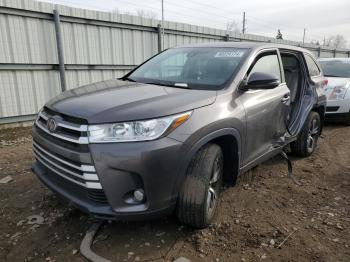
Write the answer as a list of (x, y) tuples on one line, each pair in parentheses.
[(169, 85), (128, 79)]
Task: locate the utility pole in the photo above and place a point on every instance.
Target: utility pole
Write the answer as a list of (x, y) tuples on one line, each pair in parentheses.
[(304, 36), (243, 24), (162, 24), (61, 66)]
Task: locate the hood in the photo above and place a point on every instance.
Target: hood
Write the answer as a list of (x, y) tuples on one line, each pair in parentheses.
[(335, 81), (115, 101)]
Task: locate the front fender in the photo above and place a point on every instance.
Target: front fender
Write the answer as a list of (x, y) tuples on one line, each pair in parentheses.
[(191, 147)]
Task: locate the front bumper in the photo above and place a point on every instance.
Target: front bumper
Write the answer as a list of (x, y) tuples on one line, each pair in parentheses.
[(73, 194), (338, 106), (338, 117), (338, 110), (121, 168), (152, 166)]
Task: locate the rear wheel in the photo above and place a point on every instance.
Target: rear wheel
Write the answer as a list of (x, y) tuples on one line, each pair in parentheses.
[(306, 143), (199, 196)]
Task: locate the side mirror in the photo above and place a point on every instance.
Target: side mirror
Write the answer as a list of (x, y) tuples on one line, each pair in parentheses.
[(258, 80)]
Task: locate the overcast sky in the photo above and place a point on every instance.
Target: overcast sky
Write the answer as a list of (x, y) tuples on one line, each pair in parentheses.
[(321, 18)]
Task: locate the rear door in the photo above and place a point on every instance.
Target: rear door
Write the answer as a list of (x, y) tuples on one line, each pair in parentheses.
[(312, 93), (267, 110)]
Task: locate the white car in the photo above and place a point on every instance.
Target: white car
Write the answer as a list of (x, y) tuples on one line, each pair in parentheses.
[(337, 71)]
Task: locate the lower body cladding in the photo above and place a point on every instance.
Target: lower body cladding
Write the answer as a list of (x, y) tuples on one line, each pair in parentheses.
[(135, 180)]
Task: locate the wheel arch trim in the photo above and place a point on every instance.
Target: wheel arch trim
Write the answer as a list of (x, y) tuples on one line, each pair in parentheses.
[(200, 143)]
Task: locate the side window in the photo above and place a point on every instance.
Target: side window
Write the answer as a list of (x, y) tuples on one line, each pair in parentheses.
[(312, 66), (267, 64)]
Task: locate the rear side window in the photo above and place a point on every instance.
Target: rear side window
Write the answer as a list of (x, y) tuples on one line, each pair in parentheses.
[(312, 66), (267, 64)]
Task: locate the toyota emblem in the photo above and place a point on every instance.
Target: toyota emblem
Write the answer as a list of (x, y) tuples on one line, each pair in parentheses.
[(51, 125)]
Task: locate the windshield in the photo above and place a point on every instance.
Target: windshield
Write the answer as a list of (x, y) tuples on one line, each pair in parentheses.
[(336, 68), (194, 68)]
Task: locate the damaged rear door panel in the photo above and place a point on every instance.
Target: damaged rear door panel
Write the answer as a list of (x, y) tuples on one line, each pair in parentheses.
[(310, 91)]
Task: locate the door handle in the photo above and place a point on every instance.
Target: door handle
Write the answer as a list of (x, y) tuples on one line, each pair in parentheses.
[(285, 98)]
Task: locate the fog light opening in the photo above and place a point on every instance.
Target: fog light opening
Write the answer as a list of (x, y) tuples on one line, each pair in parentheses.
[(139, 195)]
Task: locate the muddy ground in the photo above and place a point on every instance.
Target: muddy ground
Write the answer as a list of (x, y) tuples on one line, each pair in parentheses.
[(265, 217)]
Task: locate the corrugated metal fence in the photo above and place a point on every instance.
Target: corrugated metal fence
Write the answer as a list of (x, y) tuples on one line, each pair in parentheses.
[(96, 46)]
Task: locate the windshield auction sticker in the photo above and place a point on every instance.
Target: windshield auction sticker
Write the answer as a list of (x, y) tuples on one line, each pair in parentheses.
[(234, 53)]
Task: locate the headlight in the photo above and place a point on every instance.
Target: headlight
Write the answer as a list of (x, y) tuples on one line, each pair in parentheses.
[(136, 130), (338, 93)]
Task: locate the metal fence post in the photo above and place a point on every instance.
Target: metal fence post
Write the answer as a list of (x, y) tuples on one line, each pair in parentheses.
[(159, 32), (61, 66)]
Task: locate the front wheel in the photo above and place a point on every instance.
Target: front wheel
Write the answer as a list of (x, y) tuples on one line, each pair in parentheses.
[(306, 143), (199, 196)]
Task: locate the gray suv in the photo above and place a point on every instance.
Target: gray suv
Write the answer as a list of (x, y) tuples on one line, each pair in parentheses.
[(165, 137)]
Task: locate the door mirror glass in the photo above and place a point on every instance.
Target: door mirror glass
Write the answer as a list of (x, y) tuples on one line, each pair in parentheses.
[(259, 80)]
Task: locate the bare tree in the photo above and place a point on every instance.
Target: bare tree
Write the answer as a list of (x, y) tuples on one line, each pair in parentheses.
[(139, 12), (232, 27), (146, 14), (339, 41), (336, 41), (117, 11)]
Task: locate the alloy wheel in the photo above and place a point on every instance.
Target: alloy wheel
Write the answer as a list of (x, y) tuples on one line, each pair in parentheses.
[(313, 134), (212, 195)]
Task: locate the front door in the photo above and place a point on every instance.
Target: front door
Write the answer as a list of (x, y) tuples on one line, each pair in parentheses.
[(267, 110)]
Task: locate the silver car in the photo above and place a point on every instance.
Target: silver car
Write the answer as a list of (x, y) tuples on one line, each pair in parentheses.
[(337, 71)]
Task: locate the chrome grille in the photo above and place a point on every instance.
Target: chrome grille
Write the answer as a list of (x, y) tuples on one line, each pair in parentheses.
[(67, 131), (81, 174), (70, 133)]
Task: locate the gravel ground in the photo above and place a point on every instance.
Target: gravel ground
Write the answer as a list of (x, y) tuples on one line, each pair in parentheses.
[(265, 217)]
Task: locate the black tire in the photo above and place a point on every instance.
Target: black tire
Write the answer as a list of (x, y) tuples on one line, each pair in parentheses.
[(306, 143), (199, 195)]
